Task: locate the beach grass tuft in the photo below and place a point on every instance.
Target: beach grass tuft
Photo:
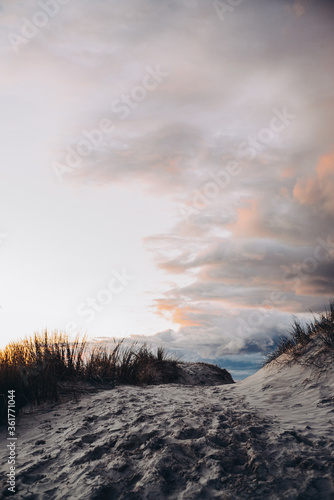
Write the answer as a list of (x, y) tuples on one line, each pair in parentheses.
[(42, 367), (319, 332)]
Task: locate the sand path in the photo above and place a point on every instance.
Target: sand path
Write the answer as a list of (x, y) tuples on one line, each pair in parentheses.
[(176, 442)]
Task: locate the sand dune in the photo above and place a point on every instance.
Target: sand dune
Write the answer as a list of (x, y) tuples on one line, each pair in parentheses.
[(267, 437)]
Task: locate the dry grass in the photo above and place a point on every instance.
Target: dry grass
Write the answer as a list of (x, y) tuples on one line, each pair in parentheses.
[(319, 333), (40, 367)]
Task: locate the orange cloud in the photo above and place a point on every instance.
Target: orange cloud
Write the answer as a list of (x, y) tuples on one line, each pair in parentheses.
[(183, 317), (325, 166), (288, 172), (249, 222), (163, 307), (318, 190)]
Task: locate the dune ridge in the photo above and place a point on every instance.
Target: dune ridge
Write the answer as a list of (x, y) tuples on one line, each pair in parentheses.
[(269, 436)]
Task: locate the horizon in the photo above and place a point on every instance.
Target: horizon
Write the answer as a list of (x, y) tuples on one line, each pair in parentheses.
[(168, 171)]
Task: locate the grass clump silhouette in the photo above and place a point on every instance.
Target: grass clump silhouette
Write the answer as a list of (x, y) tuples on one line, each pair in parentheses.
[(42, 367), (318, 333)]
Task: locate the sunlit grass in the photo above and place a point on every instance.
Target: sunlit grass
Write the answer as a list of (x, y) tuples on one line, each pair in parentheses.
[(42, 367)]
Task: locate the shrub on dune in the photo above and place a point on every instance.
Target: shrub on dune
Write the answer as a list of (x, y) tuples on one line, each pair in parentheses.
[(318, 334)]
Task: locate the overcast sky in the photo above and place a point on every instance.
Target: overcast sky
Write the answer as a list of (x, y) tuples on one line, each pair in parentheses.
[(167, 169)]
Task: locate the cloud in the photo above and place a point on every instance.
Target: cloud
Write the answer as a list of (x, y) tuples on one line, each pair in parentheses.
[(226, 334), (235, 255), (221, 88), (158, 159), (299, 7), (318, 190), (237, 241), (248, 222)]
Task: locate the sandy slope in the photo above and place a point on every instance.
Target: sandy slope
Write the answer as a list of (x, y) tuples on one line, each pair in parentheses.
[(268, 437)]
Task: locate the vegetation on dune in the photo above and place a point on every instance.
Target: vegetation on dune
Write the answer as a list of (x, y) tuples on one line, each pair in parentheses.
[(318, 333), (42, 367)]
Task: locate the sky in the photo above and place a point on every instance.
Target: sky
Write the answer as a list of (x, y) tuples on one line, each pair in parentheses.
[(167, 171)]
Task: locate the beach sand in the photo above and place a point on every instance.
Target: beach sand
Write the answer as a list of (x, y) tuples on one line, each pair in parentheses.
[(267, 437)]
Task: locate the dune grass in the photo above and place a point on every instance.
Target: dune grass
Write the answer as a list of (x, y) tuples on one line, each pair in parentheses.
[(320, 332), (42, 367)]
